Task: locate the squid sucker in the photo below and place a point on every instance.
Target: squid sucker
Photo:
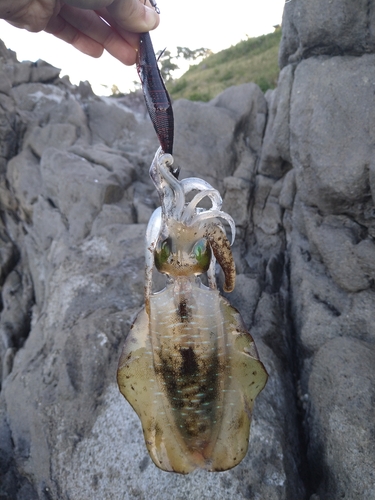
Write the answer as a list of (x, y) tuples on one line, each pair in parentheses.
[(189, 367)]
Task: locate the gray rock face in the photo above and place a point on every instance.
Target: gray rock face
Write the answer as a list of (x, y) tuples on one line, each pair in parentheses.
[(336, 27), (328, 217), (342, 376), (296, 171)]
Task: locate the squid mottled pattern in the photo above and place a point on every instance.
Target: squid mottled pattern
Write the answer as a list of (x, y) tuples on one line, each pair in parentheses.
[(189, 367)]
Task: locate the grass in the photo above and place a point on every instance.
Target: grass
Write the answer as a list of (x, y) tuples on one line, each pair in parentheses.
[(251, 60)]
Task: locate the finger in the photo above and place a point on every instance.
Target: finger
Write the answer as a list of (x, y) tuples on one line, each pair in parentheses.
[(33, 17), (60, 28), (91, 25), (134, 15), (131, 38), (88, 4)]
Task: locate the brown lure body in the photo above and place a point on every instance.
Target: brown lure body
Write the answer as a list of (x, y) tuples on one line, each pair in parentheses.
[(157, 99)]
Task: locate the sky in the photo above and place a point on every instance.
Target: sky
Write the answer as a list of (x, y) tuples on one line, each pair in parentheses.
[(189, 23)]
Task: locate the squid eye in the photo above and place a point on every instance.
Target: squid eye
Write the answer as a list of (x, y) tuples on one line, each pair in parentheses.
[(165, 250), (162, 252), (202, 253)]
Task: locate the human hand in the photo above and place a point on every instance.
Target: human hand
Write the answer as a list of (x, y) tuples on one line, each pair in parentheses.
[(89, 25)]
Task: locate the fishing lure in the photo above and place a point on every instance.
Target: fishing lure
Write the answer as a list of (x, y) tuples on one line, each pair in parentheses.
[(157, 99), (189, 368)]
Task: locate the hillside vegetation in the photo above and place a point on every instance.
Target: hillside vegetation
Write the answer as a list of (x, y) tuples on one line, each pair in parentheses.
[(251, 60)]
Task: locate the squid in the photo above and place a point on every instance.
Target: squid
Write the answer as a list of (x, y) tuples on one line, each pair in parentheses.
[(189, 367)]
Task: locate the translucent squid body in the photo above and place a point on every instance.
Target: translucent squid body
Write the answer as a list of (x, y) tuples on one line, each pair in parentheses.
[(189, 368)]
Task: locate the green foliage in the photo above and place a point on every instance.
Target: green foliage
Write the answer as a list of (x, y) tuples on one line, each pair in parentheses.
[(180, 85), (189, 54), (251, 60), (166, 64), (116, 92), (199, 96)]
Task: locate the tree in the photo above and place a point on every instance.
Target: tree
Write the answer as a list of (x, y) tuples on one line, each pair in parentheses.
[(189, 54), (167, 66)]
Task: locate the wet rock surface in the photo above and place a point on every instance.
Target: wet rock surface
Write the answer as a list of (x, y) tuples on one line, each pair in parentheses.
[(295, 168)]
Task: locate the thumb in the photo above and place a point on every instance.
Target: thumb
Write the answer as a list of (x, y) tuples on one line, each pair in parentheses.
[(134, 15)]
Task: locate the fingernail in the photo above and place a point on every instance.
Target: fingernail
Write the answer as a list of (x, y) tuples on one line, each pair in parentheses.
[(152, 18)]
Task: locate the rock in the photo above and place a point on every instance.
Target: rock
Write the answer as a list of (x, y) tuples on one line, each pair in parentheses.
[(36, 102), (237, 197), (246, 161), (323, 310), (8, 254), (341, 379), (318, 28), (343, 249), (246, 296), (275, 158), (144, 202), (60, 136), (92, 188), (113, 214), (23, 174), (279, 480), (248, 107), (4, 52), (9, 129), (8, 55), (242, 107), (266, 210), (111, 160), (17, 298), (43, 72), (210, 151), (109, 124), (21, 72), (319, 305), (332, 168), (70, 111), (41, 239), (5, 83), (288, 191), (296, 171), (77, 205), (82, 293)]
